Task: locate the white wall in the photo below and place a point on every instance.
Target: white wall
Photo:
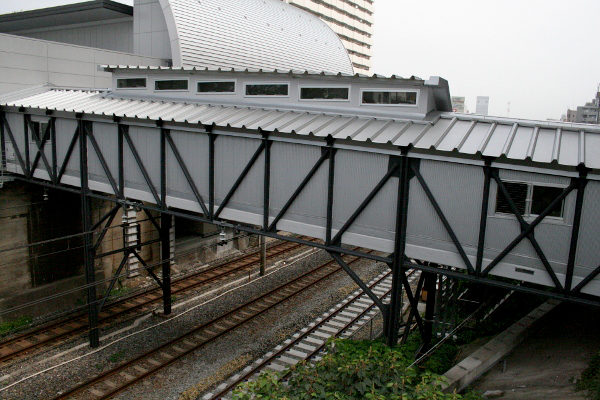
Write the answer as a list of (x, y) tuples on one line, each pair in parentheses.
[(116, 35), (150, 34), (25, 62)]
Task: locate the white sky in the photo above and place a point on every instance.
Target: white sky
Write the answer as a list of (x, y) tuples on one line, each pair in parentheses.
[(542, 56)]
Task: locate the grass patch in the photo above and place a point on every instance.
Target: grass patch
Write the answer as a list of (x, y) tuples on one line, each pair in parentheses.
[(119, 292), (115, 357), (590, 379), (10, 326)]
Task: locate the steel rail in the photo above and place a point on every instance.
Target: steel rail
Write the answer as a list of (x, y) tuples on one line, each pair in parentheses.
[(138, 303), (167, 353)]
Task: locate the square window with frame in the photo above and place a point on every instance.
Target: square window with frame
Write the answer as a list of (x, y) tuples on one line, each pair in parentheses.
[(530, 199)]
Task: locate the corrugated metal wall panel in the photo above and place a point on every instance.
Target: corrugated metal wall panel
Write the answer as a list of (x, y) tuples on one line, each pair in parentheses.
[(107, 137), (231, 157), (194, 150), (588, 254), (65, 128), (147, 144), (290, 164), (356, 174), (17, 127), (458, 189)]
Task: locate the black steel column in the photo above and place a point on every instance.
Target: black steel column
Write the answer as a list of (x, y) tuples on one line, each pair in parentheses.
[(484, 211), (266, 202), (211, 174), (165, 245), (2, 141), (90, 271), (575, 231), (395, 308), (430, 287), (330, 181)]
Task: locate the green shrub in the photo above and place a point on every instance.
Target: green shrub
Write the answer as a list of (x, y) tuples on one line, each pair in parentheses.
[(351, 370)]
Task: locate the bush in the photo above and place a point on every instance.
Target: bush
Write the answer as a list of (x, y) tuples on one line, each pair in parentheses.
[(351, 370)]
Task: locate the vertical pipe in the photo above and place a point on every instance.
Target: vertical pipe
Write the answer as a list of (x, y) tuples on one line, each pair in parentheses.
[(263, 255), (330, 193), (90, 273), (430, 287), (398, 270), (163, 169), (267, 182), (483, 220), (2, 141), (165, 246), (211, 175), (54, 153), (121, 161), (575, 232), (28, 171)]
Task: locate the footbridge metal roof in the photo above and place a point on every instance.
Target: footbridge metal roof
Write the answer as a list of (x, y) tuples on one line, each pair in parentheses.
[(540, 142)]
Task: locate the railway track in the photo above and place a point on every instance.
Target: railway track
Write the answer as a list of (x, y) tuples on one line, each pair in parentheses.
[(341, 321), (132, 372), (131, 307)]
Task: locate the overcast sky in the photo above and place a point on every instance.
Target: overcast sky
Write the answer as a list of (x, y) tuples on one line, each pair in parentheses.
[(542, 56)]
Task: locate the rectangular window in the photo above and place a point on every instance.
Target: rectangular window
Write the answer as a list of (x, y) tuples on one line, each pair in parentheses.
[(263, 89), (389, 97), (216, 87), (324, 93), (172, 84), (530, 199), (38, 128), (131, 83)]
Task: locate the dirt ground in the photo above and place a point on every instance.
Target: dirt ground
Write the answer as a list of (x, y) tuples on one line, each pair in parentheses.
[(545, 365)]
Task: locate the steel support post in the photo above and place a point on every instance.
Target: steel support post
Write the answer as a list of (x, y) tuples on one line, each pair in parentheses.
[(263, 254), (330, 182), (2, 142), (575, 231), (395, 308), (430, 287), (165, 246), (483, 219), (90, 273)]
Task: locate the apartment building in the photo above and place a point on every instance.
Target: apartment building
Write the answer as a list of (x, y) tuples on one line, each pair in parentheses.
[(352, 20)]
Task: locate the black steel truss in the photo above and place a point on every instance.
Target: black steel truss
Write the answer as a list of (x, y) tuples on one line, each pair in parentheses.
[(403, 167)]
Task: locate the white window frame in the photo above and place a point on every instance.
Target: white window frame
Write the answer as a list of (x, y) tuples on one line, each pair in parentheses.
[(267, 84), (216, 93), (528, 201), (324, 87), (131, 77), (362, 90), (170, 90)]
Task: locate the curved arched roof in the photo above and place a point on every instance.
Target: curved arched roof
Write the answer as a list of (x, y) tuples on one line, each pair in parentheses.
[(267, 34)]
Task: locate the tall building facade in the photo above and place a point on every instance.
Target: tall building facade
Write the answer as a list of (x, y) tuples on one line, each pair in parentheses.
[(352, 20)]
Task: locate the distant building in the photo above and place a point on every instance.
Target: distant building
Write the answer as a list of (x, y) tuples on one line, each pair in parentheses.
[(588, 114), (570, 116), (458, 104), (482, 105), (352, 20)]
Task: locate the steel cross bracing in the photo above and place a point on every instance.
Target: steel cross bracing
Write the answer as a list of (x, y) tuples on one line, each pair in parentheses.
[(404, 168)]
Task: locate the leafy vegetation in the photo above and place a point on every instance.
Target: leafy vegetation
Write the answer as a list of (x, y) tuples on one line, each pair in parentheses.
[(9, 326), (353, 370), (590, 379)]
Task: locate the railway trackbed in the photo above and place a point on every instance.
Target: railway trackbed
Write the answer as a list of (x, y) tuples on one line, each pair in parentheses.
[(340, 321), (112, 382), (123, 310)]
